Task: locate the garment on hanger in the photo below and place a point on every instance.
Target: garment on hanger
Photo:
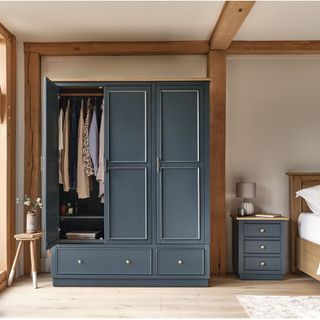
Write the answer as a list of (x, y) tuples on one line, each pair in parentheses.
[(100, 173), (87, 162), (73, 147), (66, 141), (82, 179), (60, 147), (94, 141)]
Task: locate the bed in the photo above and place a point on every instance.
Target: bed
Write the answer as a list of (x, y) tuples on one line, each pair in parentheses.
[(304, 253)]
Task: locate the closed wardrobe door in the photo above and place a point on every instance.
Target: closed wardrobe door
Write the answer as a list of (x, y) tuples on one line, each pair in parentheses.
[(179, 163), (128, 163)]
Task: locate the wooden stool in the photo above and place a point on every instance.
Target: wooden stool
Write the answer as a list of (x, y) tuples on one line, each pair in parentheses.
[(32, 237)]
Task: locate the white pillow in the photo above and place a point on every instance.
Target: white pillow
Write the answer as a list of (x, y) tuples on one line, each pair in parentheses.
[(312, 197)]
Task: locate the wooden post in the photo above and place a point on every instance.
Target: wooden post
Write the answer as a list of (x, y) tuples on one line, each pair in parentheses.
[(217, 73), (32, 179)]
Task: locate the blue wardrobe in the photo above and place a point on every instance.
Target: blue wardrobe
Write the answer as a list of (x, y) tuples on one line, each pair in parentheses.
[(154, 225)]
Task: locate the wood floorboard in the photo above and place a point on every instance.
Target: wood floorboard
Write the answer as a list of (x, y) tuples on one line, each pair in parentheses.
[(217, 301)]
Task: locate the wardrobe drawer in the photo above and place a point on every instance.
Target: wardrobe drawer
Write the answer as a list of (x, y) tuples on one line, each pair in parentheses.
[(262, 230), (180, 261), (262, 246), (103, 261), (262, 263)]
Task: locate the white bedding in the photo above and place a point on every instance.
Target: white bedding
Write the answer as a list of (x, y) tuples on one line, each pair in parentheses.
[(309, 227)]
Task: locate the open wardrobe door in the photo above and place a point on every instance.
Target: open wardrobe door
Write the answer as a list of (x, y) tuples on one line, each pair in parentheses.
[(50, 166)]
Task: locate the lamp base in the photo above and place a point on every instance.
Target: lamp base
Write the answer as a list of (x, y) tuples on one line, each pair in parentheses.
[(248, 207)]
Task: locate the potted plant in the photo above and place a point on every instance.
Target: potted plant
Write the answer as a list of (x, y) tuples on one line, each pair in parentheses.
[(31, 219)]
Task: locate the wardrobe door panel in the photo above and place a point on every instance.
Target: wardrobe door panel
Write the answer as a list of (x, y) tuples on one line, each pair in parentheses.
[(128, 203), (179, 116), (180, 203), (128, 162), (127, 114), (180, 166), (50, 168)]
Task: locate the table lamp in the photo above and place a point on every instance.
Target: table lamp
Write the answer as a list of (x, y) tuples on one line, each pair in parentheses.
[(246, 190)]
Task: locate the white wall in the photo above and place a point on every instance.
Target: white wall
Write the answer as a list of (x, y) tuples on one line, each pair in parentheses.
[(273, 126), (123, 67)]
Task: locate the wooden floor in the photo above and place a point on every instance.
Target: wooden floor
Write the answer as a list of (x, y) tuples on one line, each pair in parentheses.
[(219, 300)]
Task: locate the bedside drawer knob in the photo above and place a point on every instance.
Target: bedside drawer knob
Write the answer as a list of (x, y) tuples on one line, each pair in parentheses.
[(262, 230), (262, 263), (262, 247), (79, 261), (180, 262), (128, 261)]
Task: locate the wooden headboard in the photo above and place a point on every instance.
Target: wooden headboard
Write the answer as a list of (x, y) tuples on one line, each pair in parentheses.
[(297, 181)]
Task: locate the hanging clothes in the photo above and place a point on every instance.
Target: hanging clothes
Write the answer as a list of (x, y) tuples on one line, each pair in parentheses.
[(82, 179), (100, 173), (60, 144), (66, 137), (87, 162), (94, 141), (73, 147)]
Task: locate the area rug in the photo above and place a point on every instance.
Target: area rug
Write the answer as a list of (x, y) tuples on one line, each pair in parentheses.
[(281, 306)]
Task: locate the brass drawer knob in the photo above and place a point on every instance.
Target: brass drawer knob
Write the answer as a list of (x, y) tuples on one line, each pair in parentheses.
[(262, 230), (128, 261), (79, 261), (262, 247), (262, 263), (180, 262)]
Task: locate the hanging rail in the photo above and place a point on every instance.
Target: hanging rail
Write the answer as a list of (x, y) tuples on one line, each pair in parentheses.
[(88, 94)]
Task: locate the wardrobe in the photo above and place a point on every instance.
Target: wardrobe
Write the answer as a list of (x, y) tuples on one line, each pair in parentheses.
[(154, 224)]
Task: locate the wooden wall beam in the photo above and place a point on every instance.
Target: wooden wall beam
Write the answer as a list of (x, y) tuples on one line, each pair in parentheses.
[(217, 73), (11, 148), (273, 47), (231, 18), (8, 147), (5, 33), (118, 48), (32, 179)]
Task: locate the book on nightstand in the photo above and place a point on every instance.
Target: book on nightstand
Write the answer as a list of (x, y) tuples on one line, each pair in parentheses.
[(267, 215)]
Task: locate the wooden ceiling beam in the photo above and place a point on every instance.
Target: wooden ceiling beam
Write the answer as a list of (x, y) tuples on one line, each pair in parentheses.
[(231, 18), (118, 48), (5, 34), (274, 47)]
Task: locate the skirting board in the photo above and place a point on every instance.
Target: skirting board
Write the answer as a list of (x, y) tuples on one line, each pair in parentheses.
[(129, 282), (308, 257)]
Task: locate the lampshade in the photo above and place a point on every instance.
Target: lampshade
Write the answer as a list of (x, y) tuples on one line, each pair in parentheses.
[(246, 189)]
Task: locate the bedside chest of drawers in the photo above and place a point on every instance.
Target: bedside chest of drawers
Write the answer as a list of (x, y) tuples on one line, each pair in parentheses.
[(259, 247)]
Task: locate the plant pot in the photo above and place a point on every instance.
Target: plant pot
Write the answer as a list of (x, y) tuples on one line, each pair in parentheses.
[(31, 222)]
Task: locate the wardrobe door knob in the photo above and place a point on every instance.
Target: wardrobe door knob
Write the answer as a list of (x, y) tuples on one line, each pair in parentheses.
[(262, 263), (79, 261), (262, 247), (128, 262), (262, 230), (180, 262)]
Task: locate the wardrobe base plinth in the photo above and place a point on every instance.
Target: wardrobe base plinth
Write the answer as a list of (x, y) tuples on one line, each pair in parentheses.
[(66, 282)]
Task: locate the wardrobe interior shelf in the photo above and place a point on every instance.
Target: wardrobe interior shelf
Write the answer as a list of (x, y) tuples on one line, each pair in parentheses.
[(81, 217), (81, 241)]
